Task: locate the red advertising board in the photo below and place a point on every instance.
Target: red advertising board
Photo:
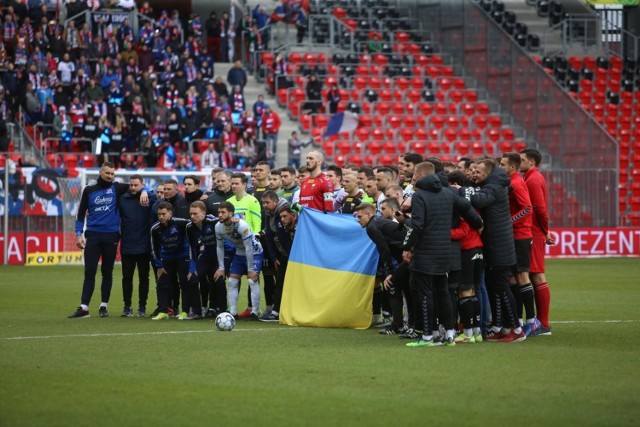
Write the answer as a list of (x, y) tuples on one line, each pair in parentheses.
[(36, 242), (595, 242)]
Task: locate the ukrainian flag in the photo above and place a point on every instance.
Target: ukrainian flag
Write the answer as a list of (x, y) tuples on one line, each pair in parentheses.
[(331, 273)]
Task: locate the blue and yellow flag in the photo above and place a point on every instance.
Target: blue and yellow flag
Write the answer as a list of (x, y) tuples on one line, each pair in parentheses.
[(331, 273)]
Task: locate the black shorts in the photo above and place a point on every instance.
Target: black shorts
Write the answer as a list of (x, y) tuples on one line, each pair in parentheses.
[(471, 272), (523, 256)]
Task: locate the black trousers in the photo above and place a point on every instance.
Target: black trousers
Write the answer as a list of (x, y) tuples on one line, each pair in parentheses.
[(400, 288), (279, 285), (99, 245), (433, 293), (129, 264), (177, 272), (212, 293), (502, 301)]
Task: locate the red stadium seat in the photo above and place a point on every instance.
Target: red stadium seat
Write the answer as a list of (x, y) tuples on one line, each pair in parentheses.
[(383, 108), (421, 135), (385, 160), (343, 147), (389, 147), (425, 108), (327, 147), (374, 147), (362, 134), (88, 160)]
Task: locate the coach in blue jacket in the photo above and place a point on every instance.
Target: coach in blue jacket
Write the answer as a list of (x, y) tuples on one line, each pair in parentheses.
[(135, 247), (99, 206)]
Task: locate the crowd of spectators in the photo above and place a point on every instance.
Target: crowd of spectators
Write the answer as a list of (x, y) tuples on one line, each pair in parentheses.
[(145, 98)]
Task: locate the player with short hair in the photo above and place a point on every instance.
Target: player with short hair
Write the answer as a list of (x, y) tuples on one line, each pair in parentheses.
[(247, 259), (288, 177), (171, 257), (521, 215), (537, 186)]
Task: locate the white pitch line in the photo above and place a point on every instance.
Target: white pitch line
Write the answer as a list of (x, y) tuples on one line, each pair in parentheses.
[(133, 334), (595, 321)]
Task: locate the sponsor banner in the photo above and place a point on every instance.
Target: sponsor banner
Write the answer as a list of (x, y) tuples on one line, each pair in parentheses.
[(55, 258), (594, 242), (36, 243)]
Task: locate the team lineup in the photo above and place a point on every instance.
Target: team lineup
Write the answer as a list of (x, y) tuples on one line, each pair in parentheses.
[(461, 245)]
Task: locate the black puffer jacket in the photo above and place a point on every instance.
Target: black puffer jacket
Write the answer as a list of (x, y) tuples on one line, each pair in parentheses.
[(429, 231), (493, 202)]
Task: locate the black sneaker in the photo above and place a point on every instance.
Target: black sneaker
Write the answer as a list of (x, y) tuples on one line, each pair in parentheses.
[(253, 317), (211, 313), (410, 334), (103, 311), (270, 317), (127, 312), (79, 314), (142, 312), (388, 331)]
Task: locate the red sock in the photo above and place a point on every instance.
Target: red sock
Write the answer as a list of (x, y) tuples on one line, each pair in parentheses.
[(543, 299)]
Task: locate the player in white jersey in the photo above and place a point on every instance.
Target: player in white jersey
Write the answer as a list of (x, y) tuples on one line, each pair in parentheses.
[(247, 260)]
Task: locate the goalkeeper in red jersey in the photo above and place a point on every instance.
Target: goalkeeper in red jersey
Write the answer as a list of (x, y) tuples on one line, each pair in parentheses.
[(316, 191)]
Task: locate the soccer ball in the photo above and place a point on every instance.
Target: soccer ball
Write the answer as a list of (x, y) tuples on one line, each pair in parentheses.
[(225, 321)]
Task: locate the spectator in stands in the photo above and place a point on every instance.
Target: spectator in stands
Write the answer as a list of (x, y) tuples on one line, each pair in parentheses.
[(295, 146), (212, 28), (271, 126), (220, 87), (280, 73), (333, 98), (210, 158), (237, 75), (314, 95)]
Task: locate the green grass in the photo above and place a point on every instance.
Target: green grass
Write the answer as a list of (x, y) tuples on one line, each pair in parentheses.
[(266, 374)]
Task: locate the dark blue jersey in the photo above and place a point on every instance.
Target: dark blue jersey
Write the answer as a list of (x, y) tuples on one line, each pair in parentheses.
[(169, 242), (99, 204), (202, 240)]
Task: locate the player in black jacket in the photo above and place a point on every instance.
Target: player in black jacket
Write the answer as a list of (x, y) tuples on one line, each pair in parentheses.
[(388, 236), (499, 249), (428, 247)]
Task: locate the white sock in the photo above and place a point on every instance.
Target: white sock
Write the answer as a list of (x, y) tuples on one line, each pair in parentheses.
[(275, 313), (104, 304), (476, 331), (255, 295), (517, 330), (468, 332), (450, 333), (506, 330), (531, 321), (232, 295), (84, 307)]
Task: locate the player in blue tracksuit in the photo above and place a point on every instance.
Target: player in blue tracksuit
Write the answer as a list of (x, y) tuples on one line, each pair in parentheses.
[(99, 206), (202, 239), (170, 247)]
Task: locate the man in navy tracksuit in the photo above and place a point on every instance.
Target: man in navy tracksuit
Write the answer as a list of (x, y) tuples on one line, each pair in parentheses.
[(202, 240), (170, 248), (135, 247), (99, 205)]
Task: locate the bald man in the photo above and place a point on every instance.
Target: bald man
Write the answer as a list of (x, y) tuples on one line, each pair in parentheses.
[(316, 191)]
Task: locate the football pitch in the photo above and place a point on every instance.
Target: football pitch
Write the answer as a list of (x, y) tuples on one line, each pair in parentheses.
[(136, 372)]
